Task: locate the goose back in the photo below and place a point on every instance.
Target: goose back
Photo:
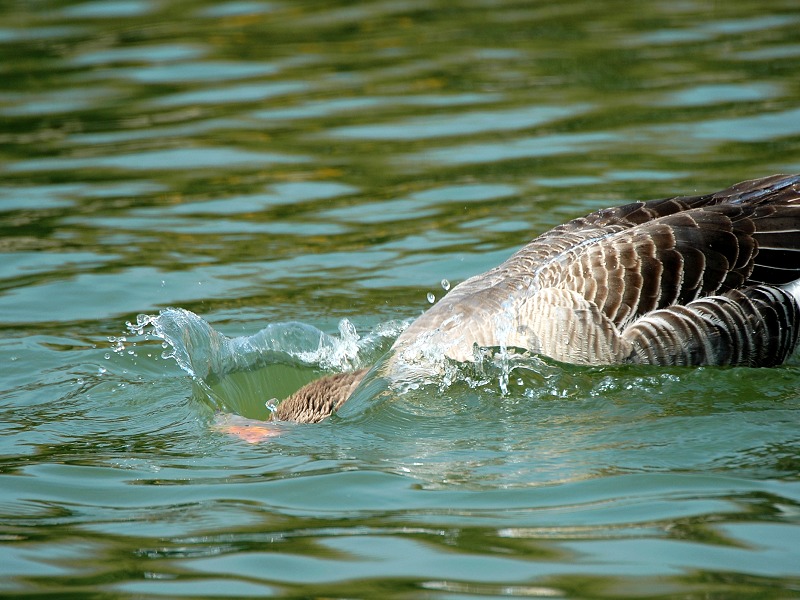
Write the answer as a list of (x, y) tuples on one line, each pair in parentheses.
[(573, 291)]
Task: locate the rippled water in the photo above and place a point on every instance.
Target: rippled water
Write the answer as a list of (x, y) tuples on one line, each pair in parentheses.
[(328, 164)]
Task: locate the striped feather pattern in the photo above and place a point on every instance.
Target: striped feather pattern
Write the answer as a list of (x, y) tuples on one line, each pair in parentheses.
[(317, 400), (756, 327)]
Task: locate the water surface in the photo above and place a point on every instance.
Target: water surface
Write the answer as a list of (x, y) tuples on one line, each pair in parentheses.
[(328, 164)]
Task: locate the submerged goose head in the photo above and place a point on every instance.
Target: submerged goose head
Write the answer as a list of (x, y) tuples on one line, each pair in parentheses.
[(320, 398), (689, 280)]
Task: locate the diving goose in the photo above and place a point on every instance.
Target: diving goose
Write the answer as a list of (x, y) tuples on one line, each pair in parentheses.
[(689, 280)]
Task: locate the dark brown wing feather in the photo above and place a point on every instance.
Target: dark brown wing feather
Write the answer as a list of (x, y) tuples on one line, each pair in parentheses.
[(683, 249), (779, 189), (778, 241)]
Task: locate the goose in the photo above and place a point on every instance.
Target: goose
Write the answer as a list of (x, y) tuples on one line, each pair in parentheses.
[(690, 280)]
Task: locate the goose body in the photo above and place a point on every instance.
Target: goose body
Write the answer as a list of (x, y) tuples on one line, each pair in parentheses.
[(689, 280)]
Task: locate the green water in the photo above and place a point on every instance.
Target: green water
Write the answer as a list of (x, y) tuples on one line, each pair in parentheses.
[(266, 162)]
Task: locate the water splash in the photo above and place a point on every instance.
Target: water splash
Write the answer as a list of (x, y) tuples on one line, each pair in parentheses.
[(238, 374), (342, 354), (249, 375), (504, 326)]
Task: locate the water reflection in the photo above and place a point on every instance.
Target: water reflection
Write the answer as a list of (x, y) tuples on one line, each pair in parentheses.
[(267, 162), (195, 158), (458, 125)]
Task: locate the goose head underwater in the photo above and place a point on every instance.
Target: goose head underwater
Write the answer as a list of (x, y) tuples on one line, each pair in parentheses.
[(689, 280)]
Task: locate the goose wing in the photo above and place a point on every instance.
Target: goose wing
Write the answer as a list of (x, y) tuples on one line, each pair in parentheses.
[(702, 285), (775, 189), (747, 234), (598, 239)]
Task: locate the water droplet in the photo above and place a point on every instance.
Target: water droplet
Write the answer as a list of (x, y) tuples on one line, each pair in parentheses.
[(271, 404), (431, 297), (102, 371), (117, 343), (445, 285), (107, 355)]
